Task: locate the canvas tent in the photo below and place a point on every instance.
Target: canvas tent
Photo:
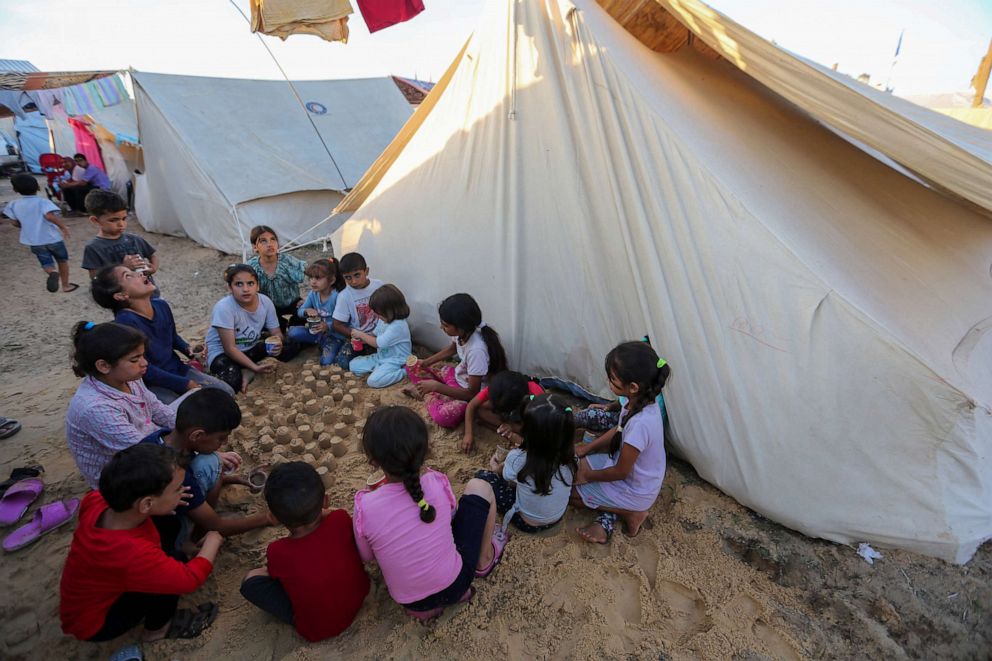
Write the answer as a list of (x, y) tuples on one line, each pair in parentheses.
[(222, 155), (825, 315)]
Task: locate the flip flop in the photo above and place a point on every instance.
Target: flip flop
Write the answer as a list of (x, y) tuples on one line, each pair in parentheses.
[(499, 540), (9, 427), (17, 499), (19, 474), (425, 617), (188, 623), (72, 287), (129, 653), (52, 282), (46, 519)]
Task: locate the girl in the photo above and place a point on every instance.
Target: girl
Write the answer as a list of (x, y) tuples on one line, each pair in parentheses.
[(391, 338), (112, 409), (533, 484), (325, 283), (279, 276), (627, 479), (498, 406), (234, 341), (447, 392), (129, 295), (428, 548)]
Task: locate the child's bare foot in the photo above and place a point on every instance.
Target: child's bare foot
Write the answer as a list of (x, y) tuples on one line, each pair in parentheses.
[(594, 533), (633, 521), (411, 391)]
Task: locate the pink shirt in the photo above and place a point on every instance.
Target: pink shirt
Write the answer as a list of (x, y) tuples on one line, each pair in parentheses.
[(417, 559)]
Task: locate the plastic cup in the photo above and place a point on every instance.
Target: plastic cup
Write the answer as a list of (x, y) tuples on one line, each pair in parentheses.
[(357, 344), (375, 480), (501, 453), (271, 344)]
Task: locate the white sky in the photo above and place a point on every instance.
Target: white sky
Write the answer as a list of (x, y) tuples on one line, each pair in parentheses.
[(943, 44)]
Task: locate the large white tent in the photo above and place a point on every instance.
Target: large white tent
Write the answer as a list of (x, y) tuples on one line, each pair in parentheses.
[(826, 316), (222, 155)]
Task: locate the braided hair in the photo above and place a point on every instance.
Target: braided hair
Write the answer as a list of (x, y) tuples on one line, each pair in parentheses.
[(636, 363), (395, 438)]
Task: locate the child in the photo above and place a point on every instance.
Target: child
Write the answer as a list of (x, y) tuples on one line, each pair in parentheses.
[(85, 178), (533, 484), (626, 480), (390, 338), (279, 275), (447, 393), (325, 283), (498, 405), (112, 245), (204, 421), (429, 549), (117, 574), (129, 295), (112, 409), (314, 578), (234, 340), (352, 309), (41, 230)]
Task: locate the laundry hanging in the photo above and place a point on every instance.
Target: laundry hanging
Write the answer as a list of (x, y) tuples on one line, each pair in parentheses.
[(379, 14), (86, 143), (327, 19)]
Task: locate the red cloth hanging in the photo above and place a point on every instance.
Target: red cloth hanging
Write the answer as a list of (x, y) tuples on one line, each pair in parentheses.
[(379, 14), (86, 143)]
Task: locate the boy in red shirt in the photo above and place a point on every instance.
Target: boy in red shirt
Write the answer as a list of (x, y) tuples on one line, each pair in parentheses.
[(314, 579), (117, 574)]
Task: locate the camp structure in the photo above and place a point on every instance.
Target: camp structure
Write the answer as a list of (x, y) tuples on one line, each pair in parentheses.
[(593, 174), (223, 155)]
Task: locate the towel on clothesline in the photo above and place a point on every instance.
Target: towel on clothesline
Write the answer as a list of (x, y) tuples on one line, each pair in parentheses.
[(327, 19), (86, 98), (379, 14), (49, 102)]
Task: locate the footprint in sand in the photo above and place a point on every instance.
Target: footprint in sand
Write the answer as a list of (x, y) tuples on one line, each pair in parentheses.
[(777, 644), (647, 558), (688, 610)]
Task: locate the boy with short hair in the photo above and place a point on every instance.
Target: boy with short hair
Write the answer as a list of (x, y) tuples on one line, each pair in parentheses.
[(41, 230), (117, 574), (314, 578), (352, 309), (112, 245), (203, 422)]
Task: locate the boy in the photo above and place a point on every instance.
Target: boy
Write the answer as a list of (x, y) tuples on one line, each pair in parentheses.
[(85, 178), (352, 309), (203, 422), (112, 245), (116, 574), (314, 578), (42, 230)]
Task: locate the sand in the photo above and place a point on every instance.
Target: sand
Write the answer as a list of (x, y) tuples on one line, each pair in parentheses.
[(706, 578)]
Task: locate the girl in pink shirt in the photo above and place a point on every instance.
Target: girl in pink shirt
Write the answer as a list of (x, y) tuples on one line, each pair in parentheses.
[(428, 547)]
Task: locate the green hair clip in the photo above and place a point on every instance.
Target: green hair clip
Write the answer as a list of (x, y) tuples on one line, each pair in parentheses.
[(661, 363), (568, 409)]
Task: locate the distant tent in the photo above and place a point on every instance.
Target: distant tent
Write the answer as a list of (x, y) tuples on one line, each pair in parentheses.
[(222, 155), (826, 317)]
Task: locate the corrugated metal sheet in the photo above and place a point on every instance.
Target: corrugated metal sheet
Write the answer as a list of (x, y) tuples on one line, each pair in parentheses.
[(22, 66)]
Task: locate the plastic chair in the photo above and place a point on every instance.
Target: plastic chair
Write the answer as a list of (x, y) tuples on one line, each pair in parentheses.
[(51, 166)]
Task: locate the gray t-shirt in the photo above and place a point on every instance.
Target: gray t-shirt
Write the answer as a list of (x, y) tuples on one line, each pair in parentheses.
[(100, 252), (536, 508), (247, 326)]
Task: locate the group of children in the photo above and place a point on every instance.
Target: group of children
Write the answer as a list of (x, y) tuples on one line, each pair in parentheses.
[(146, 429)]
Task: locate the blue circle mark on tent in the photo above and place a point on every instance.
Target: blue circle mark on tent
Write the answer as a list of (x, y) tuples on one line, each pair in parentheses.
[(316, 108)]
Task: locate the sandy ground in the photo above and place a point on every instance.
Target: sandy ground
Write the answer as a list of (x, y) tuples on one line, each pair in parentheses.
[(706, 578)]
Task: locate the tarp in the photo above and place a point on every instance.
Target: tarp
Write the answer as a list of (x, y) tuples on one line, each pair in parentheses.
[(222, 155), (825, 316)]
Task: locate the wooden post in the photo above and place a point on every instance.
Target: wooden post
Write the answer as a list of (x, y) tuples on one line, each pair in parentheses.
[(981, 78)]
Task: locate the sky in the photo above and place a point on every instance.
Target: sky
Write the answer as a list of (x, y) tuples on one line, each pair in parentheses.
[(941, 48)]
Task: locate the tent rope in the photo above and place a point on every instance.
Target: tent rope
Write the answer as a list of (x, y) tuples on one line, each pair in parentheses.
[(303, 106)]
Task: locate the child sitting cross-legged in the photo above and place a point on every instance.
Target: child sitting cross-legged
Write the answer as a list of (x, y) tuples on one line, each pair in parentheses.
[(533, 484), (325, 285), (314, 578), (390, 337), (204, 420), (117, 574), (429, 547)]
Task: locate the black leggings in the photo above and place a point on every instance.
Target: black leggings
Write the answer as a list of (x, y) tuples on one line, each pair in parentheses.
[(268, 594), (75, 196), (294, 319), (230, 372), (133, 607)]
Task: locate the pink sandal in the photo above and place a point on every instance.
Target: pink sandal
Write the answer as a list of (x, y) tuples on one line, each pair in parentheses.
[(46, 519), (499, 540), (18, 498), (426, 616)]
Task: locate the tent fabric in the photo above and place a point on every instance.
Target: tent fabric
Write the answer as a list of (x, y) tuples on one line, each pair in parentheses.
[(327, 19), (825, 316), (217, 160)]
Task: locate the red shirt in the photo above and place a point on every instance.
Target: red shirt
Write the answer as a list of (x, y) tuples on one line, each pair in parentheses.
[(104, 564), (532, 387), (379, 14), (323, 576)]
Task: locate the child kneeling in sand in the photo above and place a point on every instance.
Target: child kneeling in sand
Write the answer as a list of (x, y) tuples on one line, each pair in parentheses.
[(428, 547), (314, 578), (498, 405), (621, 471), (117, 574), (390, 337)]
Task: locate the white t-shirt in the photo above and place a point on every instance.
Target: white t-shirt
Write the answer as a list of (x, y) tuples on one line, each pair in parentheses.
[(536, 508), (247, 326), (353, 308), (474, 355), (30, 212)]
